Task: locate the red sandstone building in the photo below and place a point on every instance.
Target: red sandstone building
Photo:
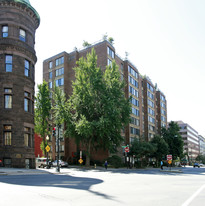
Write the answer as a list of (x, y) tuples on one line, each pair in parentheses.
[(18, 23), (149, 113)]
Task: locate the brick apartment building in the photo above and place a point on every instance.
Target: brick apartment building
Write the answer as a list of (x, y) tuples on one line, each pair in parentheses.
[(149, 110), (18, 23)]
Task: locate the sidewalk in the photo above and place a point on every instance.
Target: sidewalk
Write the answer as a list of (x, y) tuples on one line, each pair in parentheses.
[(20, 171)]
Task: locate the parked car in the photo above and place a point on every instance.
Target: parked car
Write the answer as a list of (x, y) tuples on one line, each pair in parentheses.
[(61, 163), (201, 165), (196, 165), (42, 162)]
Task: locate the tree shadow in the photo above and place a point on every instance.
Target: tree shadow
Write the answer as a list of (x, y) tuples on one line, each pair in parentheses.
[(52, 180), (153, 171)]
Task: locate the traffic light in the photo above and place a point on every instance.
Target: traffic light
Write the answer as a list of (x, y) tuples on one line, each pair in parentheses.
[(54, 131)]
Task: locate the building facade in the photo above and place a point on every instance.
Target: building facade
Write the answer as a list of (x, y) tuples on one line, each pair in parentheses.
[(149, 111), (18, 24), (202, 145), (191, 140)]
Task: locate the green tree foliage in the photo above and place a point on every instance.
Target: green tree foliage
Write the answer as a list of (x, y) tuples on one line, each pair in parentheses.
[(111, 40), (59, 106), (142, 148), (86, 44), (97, 109), (161, 146), (173, 139), (201, 158), (42, 111)]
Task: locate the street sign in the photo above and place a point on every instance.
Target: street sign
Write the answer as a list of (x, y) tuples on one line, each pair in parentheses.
[(170, 162), (48, 148), (169, 157), (127, 149), (80, 161)]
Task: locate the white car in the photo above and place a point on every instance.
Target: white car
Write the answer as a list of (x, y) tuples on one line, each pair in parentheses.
[(201, 165), (61, 163)]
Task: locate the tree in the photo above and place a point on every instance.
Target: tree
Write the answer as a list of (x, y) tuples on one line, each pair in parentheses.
[(59, 106), (86, 44), (42, 112), (142, 148), (111, 40), (173, 139), (97, 110), (161, 146)]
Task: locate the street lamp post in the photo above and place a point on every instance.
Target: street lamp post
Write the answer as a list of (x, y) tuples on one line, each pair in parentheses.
[(47, 138)]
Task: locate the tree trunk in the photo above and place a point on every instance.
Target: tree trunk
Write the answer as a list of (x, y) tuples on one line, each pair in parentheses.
[(87, 162)]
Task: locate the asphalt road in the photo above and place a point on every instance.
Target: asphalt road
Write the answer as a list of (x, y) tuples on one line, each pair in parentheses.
[(78, 187)]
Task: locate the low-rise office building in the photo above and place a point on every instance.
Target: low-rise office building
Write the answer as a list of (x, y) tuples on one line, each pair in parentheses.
[(191, 140)]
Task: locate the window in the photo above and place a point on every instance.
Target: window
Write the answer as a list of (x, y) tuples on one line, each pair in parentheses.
[(150, 111), (110, 52), (59, 61), (150, 103), (22, 35), (163, 105), (7, 134), (162, 98), (109, 62), (8, 63), (133, 91), (50, 65), (135, 111), (8, 98), (163, 112), (152, 128), (27, 68), (50, 75), (163, 118), (150, 87), (135, 121), (150, 95), (134, 131), (150, 119), (132, 71), (122, 67), (133, 81), (5, 31), (135, 102), (26, 136), (26, 140), (59, 71), (60, 82), (26, 101), (50, 85)]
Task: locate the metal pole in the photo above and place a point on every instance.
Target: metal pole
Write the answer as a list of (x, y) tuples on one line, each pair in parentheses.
[(58, 156), (47, 160)]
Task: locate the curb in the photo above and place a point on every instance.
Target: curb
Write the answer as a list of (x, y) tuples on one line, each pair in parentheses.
[(3, 173), (172, 171)]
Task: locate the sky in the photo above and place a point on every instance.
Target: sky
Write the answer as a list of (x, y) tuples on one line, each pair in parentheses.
[(165, 40)]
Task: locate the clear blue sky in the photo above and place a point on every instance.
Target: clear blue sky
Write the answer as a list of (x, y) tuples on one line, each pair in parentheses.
[(165, 39)]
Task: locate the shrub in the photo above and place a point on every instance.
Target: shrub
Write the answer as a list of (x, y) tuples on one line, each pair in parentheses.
[(115, 161)]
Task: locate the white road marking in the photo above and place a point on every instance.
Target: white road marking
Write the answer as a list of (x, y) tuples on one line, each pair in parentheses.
[(193, 196)]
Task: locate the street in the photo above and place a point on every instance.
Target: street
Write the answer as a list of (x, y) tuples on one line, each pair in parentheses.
[(114, 187)]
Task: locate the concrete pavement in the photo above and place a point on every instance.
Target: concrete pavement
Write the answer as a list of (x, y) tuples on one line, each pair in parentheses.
[(23, 171)]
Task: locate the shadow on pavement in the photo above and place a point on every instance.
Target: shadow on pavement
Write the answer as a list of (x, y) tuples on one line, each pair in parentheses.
[(52, 180), (154, 171)]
